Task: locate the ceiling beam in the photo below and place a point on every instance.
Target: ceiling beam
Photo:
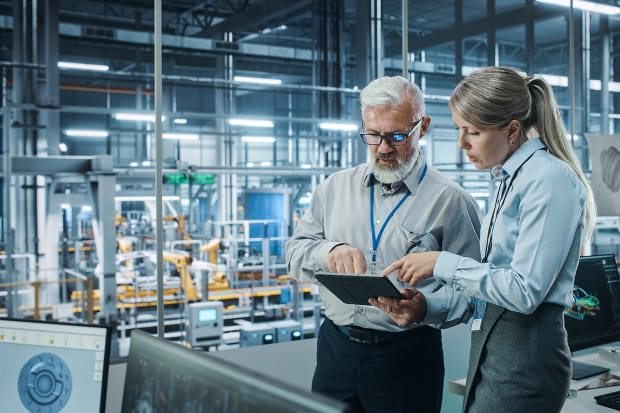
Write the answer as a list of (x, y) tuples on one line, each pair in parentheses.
[(273, 12), (419, 41)]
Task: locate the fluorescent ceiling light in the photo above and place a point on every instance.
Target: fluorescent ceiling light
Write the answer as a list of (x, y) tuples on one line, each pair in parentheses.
[(338, 126), (181, 136), (251, 122), (85, 133), (249, 164), (180, 121), (306, 166), (265, 163), (62, 147), (145, 198), (555, 80), (133, 164), (137, 117), (595, 84), (83, 66), (585, 5), (257, 80), (258, 139), (146, 163)]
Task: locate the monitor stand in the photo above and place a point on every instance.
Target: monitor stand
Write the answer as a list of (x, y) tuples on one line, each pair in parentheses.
[(583, 370)]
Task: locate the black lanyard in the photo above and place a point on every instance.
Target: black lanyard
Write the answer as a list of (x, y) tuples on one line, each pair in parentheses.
[(499, 203)]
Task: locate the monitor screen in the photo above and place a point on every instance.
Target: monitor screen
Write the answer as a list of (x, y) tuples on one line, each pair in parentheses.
[(165, 376), (594, 317), (53, 367), (207, 314)]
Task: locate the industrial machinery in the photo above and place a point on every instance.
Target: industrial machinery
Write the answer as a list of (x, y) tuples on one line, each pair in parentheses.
[(256, 334), (279, 331), (205, 324), (137, 284), (288, 330)]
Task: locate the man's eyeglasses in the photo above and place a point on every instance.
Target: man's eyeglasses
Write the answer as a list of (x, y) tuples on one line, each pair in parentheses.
[(392, 139)]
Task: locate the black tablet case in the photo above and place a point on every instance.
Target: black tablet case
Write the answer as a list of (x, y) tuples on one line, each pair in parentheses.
[(357, 288)]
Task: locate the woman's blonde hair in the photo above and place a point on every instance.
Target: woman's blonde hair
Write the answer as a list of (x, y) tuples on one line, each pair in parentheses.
[(493, 96)]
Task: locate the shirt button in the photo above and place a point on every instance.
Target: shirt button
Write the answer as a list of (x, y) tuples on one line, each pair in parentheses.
[(456, 284)]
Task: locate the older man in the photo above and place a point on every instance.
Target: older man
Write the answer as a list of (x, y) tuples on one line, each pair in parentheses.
[(361, 220)]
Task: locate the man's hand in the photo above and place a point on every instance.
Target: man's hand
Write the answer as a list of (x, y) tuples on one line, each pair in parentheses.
[(415, 267), (346, 259), (404, 311)]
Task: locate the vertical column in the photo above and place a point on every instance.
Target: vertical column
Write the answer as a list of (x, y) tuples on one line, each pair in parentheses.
[(365, 31), (577, 83), (49, 100), (376, 37), (492, 58), (405, 44), (585, 71), (458, 47), (49, 261), (102, 187), (529, 37), (605, 48)]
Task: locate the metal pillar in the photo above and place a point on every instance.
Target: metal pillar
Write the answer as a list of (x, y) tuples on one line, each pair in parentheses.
[(605, 47), (102, 187), (529, 37), (376, 38), (458, 47), (362, 47), (158, 169), (405, 30), (492, 58)]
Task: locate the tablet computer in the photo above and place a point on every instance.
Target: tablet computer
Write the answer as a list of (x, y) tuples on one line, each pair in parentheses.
[(357, 288)]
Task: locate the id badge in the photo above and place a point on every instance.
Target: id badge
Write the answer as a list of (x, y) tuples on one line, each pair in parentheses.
[(476, 323)]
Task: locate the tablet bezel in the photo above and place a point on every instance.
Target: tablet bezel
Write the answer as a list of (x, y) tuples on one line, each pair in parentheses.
[(357, 288)]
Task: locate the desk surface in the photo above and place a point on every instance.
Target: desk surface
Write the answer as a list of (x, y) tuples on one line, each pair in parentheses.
[(584, 400)]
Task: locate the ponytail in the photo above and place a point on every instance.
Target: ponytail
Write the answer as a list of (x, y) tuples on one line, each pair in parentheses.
[(546, 118)]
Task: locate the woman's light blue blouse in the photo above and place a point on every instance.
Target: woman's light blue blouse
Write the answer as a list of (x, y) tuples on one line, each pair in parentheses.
[(533, 246)]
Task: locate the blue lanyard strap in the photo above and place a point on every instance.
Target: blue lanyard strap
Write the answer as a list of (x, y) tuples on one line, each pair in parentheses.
[(375, 238)]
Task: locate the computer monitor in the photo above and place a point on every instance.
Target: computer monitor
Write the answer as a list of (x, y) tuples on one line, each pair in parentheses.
[(165, 376), (594, 318), (53, 367)]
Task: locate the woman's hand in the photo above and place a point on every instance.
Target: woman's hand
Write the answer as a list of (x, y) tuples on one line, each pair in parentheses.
[(415, 267), (404, 311)]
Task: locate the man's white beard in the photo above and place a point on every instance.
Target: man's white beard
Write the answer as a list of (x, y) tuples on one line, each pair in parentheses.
[(390, 176)]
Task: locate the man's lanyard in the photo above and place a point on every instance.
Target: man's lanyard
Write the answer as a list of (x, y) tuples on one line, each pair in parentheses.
[(377, 238)]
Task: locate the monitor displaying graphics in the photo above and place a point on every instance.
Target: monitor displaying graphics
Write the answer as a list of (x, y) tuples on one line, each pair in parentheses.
[(594, 317), (53, 367), (164, 377)]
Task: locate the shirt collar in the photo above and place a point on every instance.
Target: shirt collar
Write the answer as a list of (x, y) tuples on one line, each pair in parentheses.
[(516, 159)]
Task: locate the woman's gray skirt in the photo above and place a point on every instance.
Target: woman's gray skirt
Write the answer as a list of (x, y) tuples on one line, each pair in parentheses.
[(518, 363)]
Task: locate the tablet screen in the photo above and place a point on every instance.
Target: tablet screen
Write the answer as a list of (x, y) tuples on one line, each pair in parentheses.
[(357, 288)]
